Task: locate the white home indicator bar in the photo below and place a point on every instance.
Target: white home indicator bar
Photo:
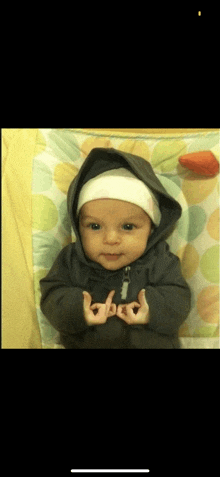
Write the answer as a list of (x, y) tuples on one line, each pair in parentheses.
[(110, 470)]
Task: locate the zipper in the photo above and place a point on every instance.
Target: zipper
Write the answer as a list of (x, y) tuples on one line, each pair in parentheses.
[(125, 283)]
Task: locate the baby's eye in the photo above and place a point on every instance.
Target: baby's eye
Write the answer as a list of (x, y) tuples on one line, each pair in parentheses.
[(94, 226), (128, 226)]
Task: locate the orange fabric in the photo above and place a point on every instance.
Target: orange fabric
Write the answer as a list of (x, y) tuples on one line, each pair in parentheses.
[(203, 163)]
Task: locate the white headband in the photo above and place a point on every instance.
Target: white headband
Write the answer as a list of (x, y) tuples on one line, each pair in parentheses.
[(121, 184)]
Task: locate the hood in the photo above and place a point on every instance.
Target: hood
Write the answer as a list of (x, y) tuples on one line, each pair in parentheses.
[(101, 160)]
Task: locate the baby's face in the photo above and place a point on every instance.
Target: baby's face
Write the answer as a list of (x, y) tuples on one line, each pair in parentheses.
[(114, 233)]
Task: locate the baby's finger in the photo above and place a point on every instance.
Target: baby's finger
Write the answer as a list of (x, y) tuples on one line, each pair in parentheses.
[(109, 300), (125, 317), (121, 312), (134, 304), (141, 297), (112, 310), (87, 299), (94, 306), (110, 296)]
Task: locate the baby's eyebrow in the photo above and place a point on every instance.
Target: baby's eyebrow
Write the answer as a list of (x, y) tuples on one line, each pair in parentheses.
[(89, 217)]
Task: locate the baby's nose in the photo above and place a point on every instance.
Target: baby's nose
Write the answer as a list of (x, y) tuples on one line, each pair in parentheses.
[(111, 237)]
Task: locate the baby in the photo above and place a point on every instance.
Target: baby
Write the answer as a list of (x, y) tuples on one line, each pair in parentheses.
[(118, 286)]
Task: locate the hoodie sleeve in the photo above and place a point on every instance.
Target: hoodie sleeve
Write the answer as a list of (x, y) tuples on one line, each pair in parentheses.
[(61, 302), (168, 296)]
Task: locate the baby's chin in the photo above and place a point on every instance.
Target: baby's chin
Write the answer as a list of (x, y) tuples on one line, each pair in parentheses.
[(112, 267)]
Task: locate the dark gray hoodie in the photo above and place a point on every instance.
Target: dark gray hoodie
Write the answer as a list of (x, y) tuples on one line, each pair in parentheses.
[(157, 270)]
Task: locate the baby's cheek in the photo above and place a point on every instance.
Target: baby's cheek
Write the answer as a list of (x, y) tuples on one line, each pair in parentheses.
[(91, 246), (138, 246)]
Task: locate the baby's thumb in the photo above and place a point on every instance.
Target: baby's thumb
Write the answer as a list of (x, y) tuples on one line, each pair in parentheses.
[(87, 298), (141, 296)]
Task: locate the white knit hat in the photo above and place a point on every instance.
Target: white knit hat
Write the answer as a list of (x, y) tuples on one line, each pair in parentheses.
[(121, 184)]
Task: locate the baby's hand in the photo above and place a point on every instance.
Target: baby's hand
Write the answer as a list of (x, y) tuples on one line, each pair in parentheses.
[(126, 313), (105, 310)]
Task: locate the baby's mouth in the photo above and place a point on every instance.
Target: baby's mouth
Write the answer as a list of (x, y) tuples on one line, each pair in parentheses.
[(111, 256)]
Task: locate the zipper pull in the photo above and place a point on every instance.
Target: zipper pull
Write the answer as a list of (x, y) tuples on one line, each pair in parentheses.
[(125, 283)]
